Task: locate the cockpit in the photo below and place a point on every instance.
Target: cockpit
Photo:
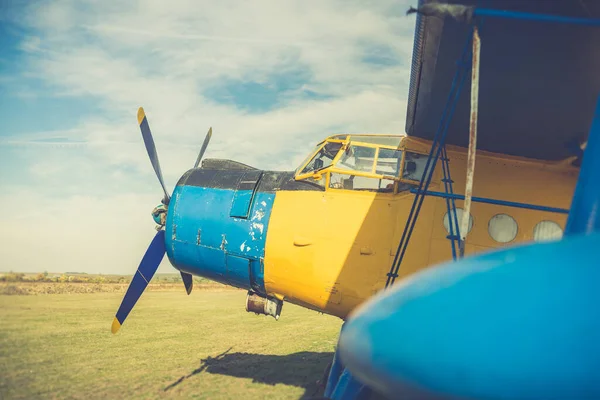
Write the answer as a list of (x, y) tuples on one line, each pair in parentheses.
[(378, 163)]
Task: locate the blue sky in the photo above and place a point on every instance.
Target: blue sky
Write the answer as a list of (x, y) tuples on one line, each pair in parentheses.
[(272, 78)]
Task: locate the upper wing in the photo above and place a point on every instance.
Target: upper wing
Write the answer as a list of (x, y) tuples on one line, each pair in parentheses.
[(539, 81)]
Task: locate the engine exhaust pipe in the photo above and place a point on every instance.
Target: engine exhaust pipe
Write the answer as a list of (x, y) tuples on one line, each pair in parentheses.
[(263, 305)]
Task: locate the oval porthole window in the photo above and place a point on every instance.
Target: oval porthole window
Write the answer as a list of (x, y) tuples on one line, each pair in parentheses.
[(547, 230), (503, 228), (459, 214)]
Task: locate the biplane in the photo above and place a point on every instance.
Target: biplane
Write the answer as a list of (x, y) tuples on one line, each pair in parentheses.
[(485, 172)]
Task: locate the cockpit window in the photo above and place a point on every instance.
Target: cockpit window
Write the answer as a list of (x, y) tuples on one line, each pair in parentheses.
[(363, 162), (323, 158), (308, 157), (357, 158), (388, 162)]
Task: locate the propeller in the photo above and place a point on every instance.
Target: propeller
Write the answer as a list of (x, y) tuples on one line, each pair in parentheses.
[(142, 277), (156, 251), (151, 149), (204, 146)]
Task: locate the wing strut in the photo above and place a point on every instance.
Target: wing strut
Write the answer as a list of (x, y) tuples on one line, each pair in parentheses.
[(434, 154), (464, 226)]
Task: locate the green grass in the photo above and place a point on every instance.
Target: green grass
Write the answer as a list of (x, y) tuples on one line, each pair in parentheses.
[(81, 277), (60, 346)]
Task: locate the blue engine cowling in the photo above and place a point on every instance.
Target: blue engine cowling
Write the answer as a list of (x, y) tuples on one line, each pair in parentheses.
[(218, 220)]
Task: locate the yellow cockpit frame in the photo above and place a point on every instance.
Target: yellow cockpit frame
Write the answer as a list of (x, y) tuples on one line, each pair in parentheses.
[(322, 176)]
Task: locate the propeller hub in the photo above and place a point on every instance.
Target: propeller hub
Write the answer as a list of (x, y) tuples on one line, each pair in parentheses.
[(159, 214)]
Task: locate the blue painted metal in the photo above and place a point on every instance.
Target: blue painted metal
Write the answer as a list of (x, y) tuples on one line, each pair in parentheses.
[(241, 203), (341, 385), (349, 388), (237, 271), (585, 206), (243, 197), (334, 374), (487, 12), (512, 324), (203, 239), (148, 266), (494, 201)]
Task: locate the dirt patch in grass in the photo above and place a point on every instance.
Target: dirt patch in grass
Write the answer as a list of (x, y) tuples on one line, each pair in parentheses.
[(36, 288)]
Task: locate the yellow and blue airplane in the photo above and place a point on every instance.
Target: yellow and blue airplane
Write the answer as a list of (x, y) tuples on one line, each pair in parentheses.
[(515, 323), (325, 235), (340, 228)]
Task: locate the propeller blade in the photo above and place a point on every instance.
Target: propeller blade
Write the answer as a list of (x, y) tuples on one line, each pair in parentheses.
[(188, 281), (151, 149), (204, 146), (143, 275)]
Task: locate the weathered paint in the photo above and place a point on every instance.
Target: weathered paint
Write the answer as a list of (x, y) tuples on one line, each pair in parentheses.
[(203, 239), (464, 226), (330, 249), (263, 305)]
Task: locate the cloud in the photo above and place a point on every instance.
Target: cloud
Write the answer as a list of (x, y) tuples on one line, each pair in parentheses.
[(76, 233), (272, 78)]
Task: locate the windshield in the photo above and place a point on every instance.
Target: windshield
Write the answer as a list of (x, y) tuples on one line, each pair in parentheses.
[(307, 158), (323, 158)]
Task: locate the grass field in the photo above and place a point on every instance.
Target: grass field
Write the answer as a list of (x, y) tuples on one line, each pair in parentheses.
[(172, 346)]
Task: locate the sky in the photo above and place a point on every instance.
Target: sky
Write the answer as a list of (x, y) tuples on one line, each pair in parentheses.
[(272, 78)]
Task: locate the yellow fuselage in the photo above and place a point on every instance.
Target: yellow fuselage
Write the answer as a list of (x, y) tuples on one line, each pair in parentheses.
[(331, 250)]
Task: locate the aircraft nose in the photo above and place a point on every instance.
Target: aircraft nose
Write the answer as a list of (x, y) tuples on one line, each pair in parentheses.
[(217, 226)]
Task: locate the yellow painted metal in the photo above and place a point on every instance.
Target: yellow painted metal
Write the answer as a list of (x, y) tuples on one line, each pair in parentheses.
[(331, 250), (361, 173), (371, 145), (375, 159), (140, 115), (116, 325)]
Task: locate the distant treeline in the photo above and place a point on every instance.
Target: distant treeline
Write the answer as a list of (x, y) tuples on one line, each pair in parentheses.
[(87, 278)]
